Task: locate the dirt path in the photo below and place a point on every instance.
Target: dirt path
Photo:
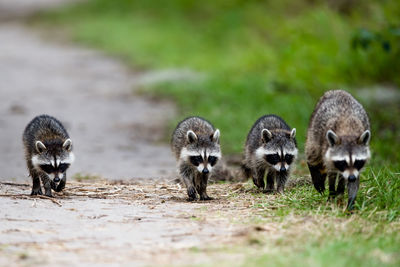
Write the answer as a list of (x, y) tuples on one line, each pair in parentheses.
[(114, 130), (101, 223)]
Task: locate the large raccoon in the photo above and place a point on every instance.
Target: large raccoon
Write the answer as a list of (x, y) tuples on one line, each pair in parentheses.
[(270, 148), (195, 143), (48, 154), (338, 143)]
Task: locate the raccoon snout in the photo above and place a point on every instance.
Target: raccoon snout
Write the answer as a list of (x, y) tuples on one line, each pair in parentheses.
[(205, 171), (283, 169), (56, 179), (352, 178)]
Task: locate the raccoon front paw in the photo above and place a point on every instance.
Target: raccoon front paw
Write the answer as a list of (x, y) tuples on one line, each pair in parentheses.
[(205, 197), (331, 197), (191, 191), (268, 191), (60, 187), (259, 183), (37, 191), (280, 191)]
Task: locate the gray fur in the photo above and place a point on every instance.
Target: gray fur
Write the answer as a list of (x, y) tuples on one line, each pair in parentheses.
[(270, 135), (46, 142), (339, 129), (195, 136)]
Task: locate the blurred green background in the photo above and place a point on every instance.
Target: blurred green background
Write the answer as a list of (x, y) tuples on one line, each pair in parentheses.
[(250, 58)]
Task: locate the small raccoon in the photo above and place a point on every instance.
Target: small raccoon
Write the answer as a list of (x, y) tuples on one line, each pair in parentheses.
[(338, 143), (270, 148), (48, 154), (195, 143)]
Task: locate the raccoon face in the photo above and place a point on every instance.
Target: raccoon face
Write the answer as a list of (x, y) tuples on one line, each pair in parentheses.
[(53, 158), (347, 155), (278, 149), (202, 152)]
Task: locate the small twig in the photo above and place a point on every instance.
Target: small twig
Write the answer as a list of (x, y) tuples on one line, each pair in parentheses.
[(49, 198), (27, 197), (13, 184), (13, 195)]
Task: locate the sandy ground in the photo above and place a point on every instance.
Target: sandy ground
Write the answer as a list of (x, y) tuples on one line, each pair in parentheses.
[(115, 132), (102, 223)]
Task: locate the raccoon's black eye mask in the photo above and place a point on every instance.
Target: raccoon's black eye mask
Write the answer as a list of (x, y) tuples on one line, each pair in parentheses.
[(273, 158), (341, 165), (212, 160), (358, 164), (289, 159), (196, 160), (47, 168)]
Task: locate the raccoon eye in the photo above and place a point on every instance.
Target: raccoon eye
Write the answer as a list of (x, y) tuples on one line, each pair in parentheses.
[(212, 160), (47, 168), (289, 159), (358, 164), (196, 160), (341, 165), (63, 167), (272, 158)]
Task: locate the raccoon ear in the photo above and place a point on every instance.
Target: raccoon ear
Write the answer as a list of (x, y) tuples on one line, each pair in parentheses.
[(67, 145), (215, 136), (293, 133), (266, 135), (191, 136), (332, 138), (365, 137), (40, 147)]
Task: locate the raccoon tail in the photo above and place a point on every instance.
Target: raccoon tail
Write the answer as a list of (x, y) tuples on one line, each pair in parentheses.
[(222, 172)]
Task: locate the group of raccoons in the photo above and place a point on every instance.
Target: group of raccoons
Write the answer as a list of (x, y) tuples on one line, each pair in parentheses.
[(337, 146)]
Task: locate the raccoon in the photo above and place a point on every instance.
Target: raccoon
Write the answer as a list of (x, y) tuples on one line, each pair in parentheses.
[(195, 143), (338, 144), (48, 154), (270, 148)]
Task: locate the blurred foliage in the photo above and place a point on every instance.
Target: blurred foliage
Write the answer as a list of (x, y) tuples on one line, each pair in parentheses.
[(379, 49), (255, 57)]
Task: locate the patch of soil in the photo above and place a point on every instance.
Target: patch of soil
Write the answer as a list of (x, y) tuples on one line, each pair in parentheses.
[(147, 222)]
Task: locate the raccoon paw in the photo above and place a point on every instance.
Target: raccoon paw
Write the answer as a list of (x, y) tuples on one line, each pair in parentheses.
[(60, 187), (205, 197), (36, 192), (332, 196), (280, 191), (191, 191), (320, 188), (268, 191), (259, 183)]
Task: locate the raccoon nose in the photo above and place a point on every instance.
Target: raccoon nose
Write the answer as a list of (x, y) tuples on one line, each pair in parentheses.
[(283, 169), (56, 179), (352, 178), (205, 171)]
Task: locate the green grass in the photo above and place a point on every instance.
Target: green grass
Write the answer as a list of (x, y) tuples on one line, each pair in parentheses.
[(378, 199), (300, 228), (309, 231), (335, 249)]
